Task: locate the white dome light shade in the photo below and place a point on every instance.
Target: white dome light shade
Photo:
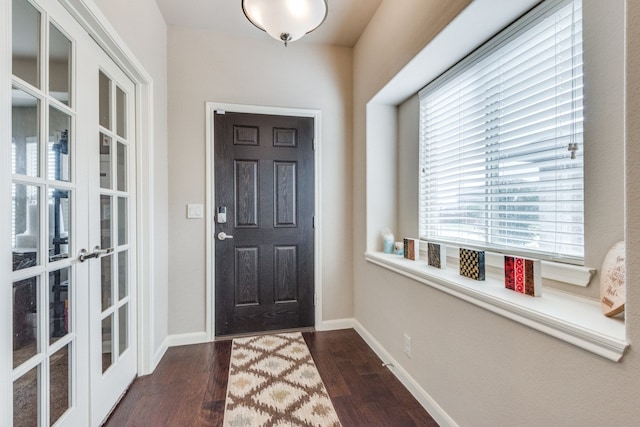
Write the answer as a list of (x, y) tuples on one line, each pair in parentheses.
[(286, 20)]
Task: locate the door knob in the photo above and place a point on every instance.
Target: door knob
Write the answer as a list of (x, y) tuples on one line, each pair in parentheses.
[(224, 236)]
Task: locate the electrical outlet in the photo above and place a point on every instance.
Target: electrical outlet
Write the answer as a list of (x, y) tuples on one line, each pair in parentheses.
[(407, 345)]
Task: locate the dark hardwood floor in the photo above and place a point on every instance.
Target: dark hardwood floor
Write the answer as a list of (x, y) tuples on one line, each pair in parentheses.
[(189, 385)]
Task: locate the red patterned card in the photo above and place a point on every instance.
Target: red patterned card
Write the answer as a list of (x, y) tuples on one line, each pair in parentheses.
[(523, 275), (509, 276)]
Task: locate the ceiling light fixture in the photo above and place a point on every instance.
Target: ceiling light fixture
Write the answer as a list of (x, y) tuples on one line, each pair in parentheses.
[(286, 20)]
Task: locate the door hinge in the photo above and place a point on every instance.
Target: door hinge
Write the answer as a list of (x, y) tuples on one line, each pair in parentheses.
[(315, 299), (313, 144), (313, 221)]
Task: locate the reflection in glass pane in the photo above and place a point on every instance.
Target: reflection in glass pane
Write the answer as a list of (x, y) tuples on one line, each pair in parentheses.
[(59, 224), (104, 100), (105, 222), (122, 221), (26, 398), (26, 42), (106, 281), (58, 146), (123, 320), (121, 113), (59, 65), (59, 287), (25, 124), (26, 312), (59, 395), (105, 161), (25, 225), (123, 270), (107, 343), (122, 167)]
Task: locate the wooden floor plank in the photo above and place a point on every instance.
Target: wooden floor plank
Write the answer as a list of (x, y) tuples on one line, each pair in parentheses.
[(189, 385)]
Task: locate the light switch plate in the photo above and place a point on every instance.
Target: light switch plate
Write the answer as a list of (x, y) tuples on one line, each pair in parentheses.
[(195, 211)]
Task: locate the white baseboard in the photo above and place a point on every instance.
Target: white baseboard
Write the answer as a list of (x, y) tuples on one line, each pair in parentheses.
[(187, 339), (201, 337), (334, 325), (159, 354), (438, 414)]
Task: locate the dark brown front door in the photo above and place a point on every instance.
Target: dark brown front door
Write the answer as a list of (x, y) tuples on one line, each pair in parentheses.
[(264, 179)]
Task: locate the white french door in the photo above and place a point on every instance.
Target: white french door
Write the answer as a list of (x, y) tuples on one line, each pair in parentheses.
[(113, 349), (49, 213), (72, 351)]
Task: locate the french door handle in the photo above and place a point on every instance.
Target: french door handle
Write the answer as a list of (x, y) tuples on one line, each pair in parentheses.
[(84, 255), (224, 236), (97, 251), (101, 251)]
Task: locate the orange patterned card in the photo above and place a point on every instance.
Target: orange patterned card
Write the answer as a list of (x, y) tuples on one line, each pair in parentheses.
[(412, 249)]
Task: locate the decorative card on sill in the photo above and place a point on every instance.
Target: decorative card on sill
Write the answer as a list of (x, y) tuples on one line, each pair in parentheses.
[(437, 255), (412, 249), (472, 264), (523, 275)]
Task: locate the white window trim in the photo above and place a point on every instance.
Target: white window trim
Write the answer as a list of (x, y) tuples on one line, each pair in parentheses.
[(589, 328), (572, 319)]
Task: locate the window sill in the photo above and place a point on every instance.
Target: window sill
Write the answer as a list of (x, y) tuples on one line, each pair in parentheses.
[(572, 319)]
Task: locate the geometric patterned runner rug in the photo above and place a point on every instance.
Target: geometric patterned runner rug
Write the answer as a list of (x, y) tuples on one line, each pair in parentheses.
[(273, 381)]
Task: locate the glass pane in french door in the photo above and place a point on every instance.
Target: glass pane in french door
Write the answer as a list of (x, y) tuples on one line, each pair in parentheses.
[(59, 204), (26, 28), (58, 158), (59, 397), (26, 398), (25, 224), (107, 342), (25, 112), (26, 327), (106, 281), (105, 100), (59, 316), (59, 65)]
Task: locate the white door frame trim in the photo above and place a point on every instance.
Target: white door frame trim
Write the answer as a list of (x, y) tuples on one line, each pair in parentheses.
[(211, 107), (6, 293), (91, 18)]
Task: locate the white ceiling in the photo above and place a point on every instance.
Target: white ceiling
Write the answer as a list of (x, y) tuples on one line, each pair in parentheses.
[(344, 24)]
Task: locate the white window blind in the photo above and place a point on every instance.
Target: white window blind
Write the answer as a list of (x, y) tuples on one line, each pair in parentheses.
[(501, 141)]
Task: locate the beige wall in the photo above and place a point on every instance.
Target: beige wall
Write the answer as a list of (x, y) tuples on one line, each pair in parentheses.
[(206, 66), (483, 369), (142, 27)]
